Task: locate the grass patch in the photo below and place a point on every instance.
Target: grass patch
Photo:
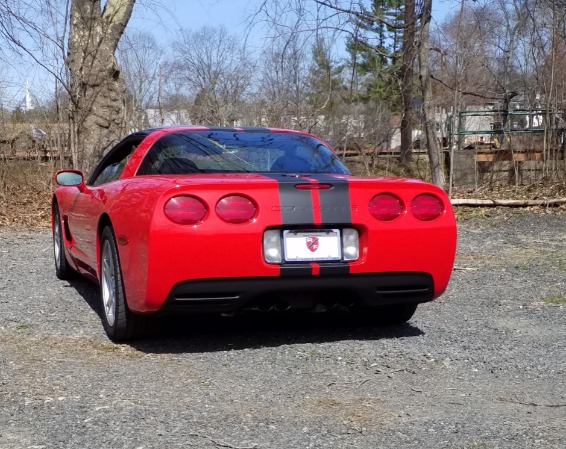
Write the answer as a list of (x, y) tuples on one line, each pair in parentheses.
[(555, 299), (313, 353), (111, 348), (104, 347)]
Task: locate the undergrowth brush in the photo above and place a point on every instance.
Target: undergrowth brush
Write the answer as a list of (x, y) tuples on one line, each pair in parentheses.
[(26, 189)]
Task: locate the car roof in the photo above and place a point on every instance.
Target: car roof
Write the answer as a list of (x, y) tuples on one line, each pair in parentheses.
[(250, 129)]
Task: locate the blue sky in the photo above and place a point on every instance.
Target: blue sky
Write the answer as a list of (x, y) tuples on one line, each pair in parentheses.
[(231, 13), (164, 18)]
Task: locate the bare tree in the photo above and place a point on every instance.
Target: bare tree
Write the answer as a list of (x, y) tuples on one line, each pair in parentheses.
[(140, 57), (433, 150), (75, 41), (407, 61), (37, 30), (375, 19), (284, 83), (96, 87), (215, 70)]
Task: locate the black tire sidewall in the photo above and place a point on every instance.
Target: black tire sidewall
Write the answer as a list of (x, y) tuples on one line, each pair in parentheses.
[(62, 269), (390, 314), (118, 330)]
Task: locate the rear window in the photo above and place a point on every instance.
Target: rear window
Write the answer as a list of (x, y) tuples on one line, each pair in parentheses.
[(239, 152)]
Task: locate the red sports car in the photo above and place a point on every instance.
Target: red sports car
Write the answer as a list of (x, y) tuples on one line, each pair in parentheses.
[(205, 219)]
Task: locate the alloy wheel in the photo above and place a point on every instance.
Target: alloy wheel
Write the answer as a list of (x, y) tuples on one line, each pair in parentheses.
[(57, 240), (108, 283)]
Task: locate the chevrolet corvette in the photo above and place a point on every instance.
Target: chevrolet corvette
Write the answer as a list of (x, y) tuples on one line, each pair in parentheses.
[(220, 220)]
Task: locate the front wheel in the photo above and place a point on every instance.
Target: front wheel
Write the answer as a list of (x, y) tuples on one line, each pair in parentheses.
[(62, 269), (119, 322)]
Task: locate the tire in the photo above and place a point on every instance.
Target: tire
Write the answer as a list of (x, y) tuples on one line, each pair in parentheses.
[(393, 314), (397, 314), (62, 269), (119, 322)]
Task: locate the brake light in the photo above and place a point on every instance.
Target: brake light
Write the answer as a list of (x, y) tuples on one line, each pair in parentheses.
[(236, 209), (427, 207), (385, 207), (313, 186), (185, 210)]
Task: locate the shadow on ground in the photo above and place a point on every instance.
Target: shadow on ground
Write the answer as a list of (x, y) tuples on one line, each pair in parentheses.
[(251, 330)]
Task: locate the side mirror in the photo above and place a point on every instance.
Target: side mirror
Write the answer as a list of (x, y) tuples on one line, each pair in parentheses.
[(69, 178)]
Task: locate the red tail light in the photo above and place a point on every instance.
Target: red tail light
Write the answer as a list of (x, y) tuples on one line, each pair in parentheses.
[(185, 210), (236, 209), (427, 207), (385, 207)]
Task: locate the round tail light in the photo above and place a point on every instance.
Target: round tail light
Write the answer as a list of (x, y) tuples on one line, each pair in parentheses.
[(236, 209), (385, 207), (185, 210), (427, 207)]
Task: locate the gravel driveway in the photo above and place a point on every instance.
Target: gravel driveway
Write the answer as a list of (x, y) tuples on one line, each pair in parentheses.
[(483, 367)]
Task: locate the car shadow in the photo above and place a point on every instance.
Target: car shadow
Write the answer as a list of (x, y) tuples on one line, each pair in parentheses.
[(252, 330), (196, 334), (88, 291)]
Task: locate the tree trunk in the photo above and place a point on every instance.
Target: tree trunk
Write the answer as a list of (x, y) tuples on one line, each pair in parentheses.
[(97, 89), (433, 149), (407, 83)]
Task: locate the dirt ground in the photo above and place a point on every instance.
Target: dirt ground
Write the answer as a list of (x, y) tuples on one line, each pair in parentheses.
[(482, 367)]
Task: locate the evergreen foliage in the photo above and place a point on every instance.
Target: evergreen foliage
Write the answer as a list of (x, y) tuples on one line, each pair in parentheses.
[(375, 52)]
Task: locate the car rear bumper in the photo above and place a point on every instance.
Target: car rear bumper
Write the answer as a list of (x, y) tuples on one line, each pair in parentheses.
[(300, 292)]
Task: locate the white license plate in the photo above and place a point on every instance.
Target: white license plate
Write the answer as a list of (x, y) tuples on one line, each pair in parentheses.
[(309, 246)]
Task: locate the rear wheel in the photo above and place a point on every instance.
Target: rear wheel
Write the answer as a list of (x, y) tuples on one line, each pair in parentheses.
[(119, 322), (397, 313), (62, 269), (388, 315)]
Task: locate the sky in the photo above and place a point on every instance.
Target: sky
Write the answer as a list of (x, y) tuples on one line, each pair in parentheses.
[(233, 14), (164, 18)]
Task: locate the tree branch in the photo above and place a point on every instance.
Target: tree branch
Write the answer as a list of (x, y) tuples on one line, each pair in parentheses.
[(116, 15), (361, 16), (472, 94)]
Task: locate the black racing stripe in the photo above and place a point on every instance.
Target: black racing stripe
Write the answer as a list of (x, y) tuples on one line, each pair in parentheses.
[(295, 205), (335, 207), (335, 269), (296, 270)]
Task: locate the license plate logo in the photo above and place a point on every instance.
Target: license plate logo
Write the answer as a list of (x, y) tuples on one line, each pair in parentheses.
[(316, 245), (312, 244)]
